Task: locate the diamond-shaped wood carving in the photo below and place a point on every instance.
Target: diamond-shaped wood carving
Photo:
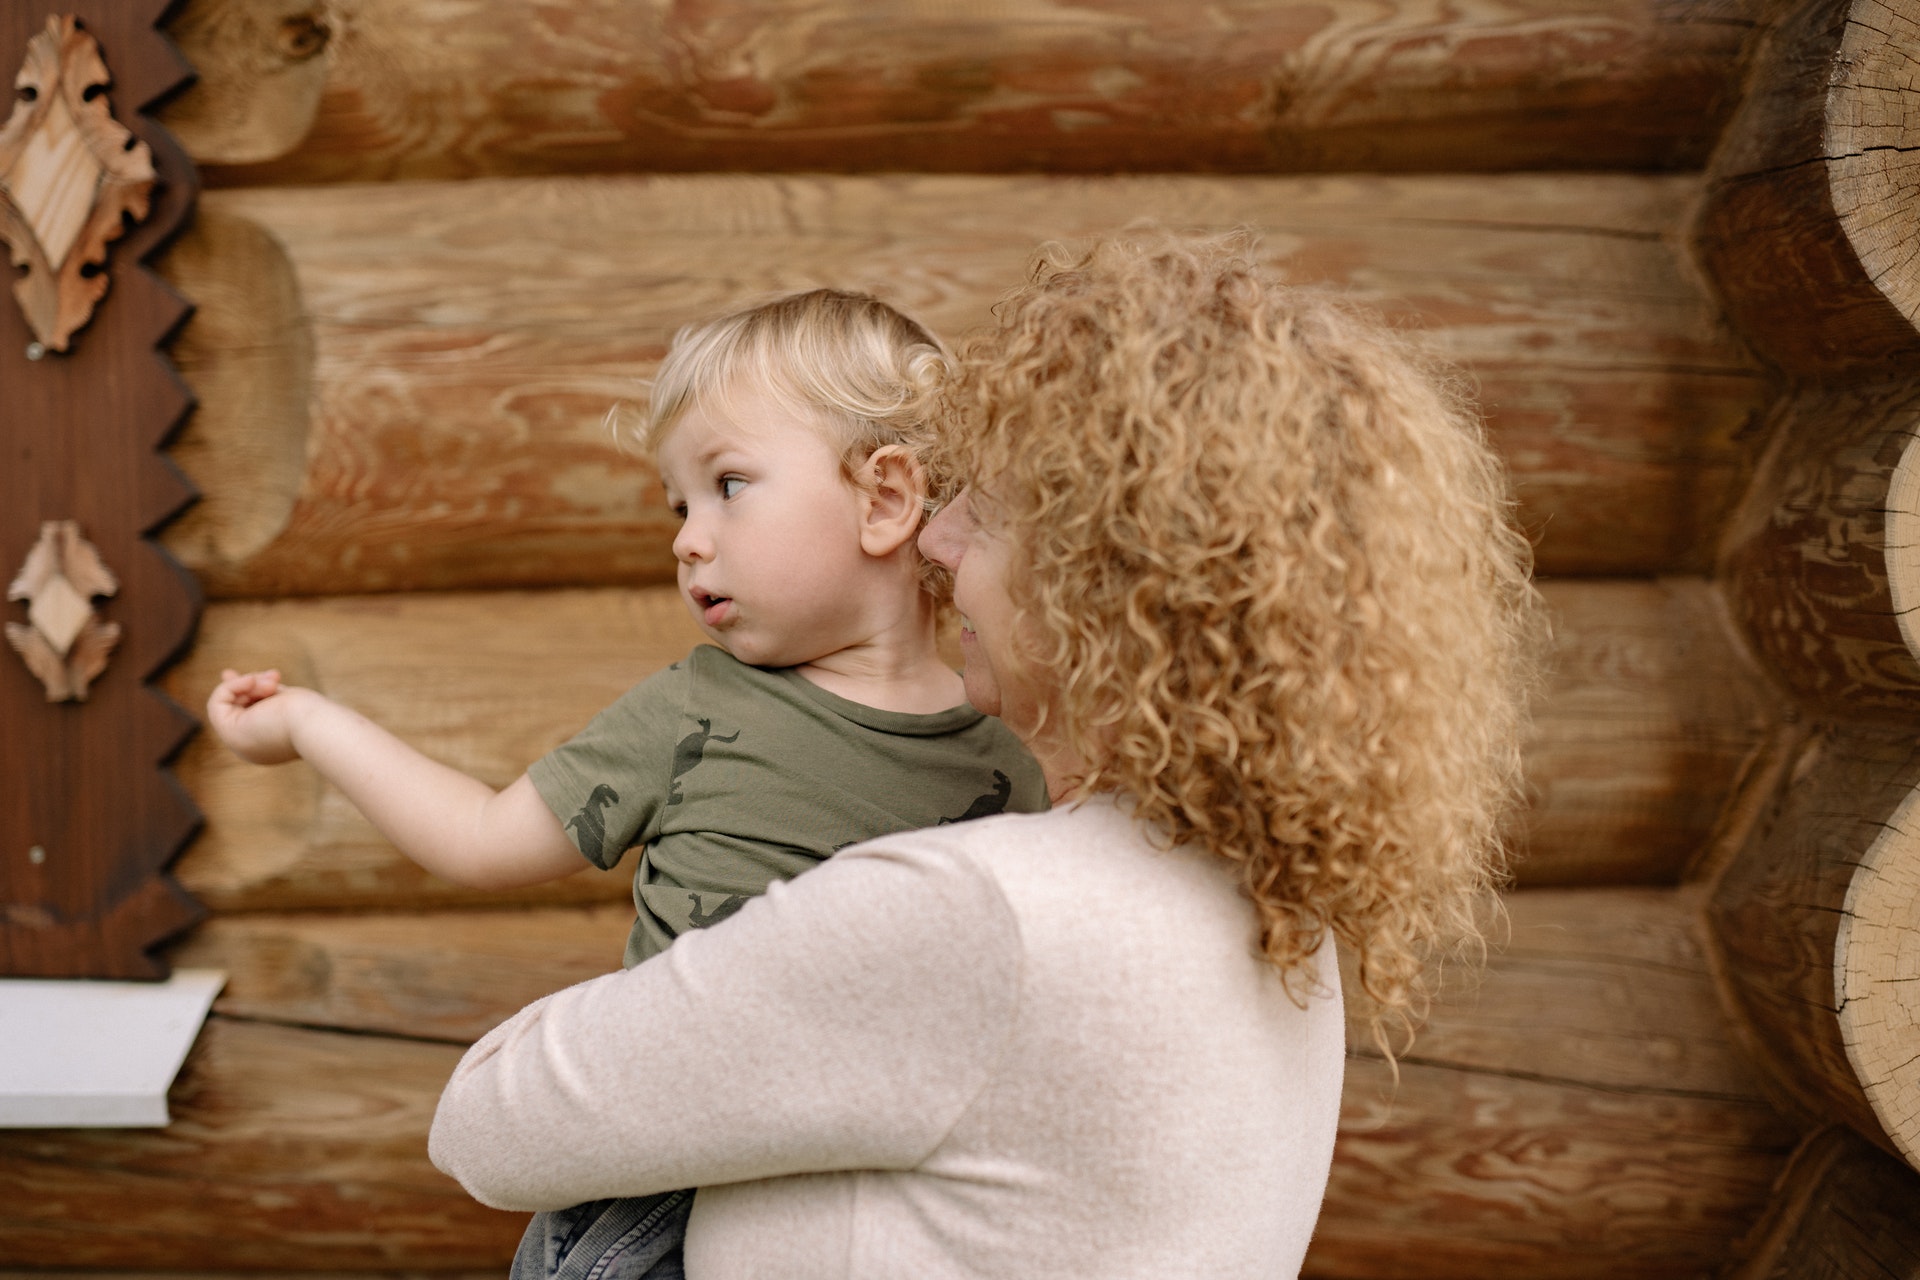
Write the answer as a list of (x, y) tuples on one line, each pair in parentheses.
[(91, 817), (71, 179), (64, 642)]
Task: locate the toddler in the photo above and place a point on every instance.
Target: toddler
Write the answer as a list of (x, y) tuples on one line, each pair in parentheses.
[(787, 437)]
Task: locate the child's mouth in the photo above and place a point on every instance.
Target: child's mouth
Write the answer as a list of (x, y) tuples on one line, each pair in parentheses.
[(713, 609)]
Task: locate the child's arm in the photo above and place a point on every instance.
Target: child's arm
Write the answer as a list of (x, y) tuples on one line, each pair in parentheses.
[(455, 826)]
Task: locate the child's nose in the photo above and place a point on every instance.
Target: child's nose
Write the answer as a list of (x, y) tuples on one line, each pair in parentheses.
[(691, 543)]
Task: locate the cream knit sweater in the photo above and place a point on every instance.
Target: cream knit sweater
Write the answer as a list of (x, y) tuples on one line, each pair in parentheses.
[(1026, 1046)]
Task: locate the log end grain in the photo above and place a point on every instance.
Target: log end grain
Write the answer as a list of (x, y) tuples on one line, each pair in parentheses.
[(1877, 953), (248, 355), (1808, 224), (261, 67)]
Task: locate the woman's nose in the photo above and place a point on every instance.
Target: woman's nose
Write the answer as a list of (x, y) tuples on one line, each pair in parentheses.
[(944, 538)]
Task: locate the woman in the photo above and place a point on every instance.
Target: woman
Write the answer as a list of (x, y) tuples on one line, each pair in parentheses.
[(1240, 575)]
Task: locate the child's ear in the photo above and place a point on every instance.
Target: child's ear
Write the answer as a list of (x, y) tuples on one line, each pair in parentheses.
[(893, 500)]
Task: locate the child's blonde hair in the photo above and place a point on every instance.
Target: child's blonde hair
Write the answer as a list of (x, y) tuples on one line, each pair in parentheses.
[(861, 370)]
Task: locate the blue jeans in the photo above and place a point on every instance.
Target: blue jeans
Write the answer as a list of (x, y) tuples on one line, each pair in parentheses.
[(629, 1239)]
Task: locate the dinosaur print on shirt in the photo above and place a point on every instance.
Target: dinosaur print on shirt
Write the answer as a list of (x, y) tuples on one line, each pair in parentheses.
[(995, 801), (589, 826), (689, 752)]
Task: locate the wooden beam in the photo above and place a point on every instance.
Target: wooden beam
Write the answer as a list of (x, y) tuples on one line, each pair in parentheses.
[(1809, 223), (450, 976), (1581, 1111), (349, 90), (1651, 711), (1842, 1211), (1818, 566), (1632, 752), (1530, 1133), (449, 674), (469, 339), (1812, 930), (289, 1148)]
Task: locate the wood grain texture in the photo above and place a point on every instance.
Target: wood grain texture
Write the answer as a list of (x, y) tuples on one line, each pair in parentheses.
[(1651, 711), (1810, 227), (1877, 977), (261, 71), (1806, 560), (79, 439), (1580, 1111), (289, 1148), (1842, 1211), (1633, 751), (247, 352), (1776, 916), (414, 89), (469, 339), (487, 683), (449, 975), (1490, 1176)]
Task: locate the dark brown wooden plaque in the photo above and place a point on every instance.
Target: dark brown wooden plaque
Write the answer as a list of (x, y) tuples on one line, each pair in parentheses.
[(90, 816)]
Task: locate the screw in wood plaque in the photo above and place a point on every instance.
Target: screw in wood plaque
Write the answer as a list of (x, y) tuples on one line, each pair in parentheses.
[(64, 642), (72, 178)]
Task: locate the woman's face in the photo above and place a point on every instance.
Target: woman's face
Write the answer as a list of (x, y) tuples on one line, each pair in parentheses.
[(996, 673)]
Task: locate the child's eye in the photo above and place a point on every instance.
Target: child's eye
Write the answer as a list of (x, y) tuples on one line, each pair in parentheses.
[(679, 510), (730, 486)]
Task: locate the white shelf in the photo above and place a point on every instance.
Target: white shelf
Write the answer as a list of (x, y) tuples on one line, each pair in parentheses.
[(84, 1054)]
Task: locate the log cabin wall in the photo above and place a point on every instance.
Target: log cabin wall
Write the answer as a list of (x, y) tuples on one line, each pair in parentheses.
[(438, 241)]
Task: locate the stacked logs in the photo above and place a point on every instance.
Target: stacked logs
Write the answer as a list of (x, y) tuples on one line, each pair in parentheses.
[(410, 503), (1809, 232)]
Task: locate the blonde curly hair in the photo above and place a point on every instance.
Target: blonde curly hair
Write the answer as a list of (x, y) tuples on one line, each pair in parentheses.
[(1270, 552), (860, 369)]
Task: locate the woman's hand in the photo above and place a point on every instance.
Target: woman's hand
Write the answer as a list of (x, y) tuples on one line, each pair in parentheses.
[(254, 715)]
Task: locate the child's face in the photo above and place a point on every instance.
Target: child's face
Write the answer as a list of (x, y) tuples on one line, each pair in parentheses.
[(769, 546)]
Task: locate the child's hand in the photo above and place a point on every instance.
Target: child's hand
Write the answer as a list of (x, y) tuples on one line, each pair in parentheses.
[(253, 715)]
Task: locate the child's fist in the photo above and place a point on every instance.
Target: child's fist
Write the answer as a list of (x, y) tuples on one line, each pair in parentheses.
[(253, 715)]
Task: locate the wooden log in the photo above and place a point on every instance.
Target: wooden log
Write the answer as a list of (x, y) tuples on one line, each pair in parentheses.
[(289, 1148), (261, 72), (1842, 1211), (1813, 935), (1581, 1110), (417, 90), (469, 339), (1651, 712), (1822, 561), (1809, 223), (487, 683), (1632, 751), (1582, 1107), (247, 351), (449, 976)]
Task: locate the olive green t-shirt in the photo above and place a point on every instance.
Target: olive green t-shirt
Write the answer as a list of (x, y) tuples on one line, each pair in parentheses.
[(731, 777)]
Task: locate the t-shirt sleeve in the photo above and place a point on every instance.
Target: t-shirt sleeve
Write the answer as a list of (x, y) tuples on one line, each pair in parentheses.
[(780, 1042), (606, 785)]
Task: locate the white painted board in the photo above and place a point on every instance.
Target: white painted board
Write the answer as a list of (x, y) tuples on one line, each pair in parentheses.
[(80, 1053)]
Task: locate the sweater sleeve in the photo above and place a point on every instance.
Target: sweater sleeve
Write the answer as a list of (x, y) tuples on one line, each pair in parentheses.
[(845, 1020)]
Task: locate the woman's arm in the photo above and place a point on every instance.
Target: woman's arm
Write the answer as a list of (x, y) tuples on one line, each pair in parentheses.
[(455, 826), (844, 1020)]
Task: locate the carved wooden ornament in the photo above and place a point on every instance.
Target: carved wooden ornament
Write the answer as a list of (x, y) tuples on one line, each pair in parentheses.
[(70, 179), (64, 642)]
